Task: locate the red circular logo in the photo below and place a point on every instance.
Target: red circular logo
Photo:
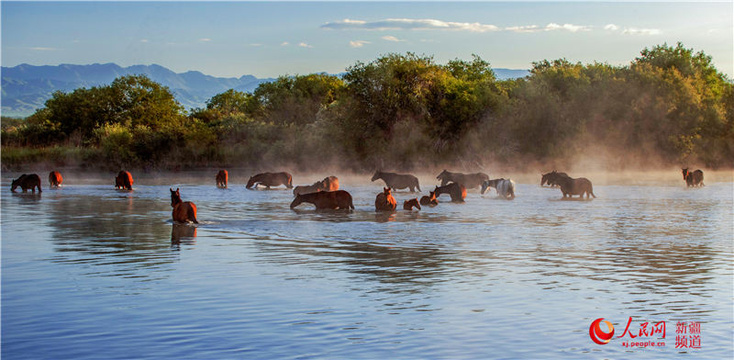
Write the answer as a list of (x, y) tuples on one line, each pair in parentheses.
[(597, 334)]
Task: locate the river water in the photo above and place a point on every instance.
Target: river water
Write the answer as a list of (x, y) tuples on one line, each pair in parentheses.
[(90, 272)]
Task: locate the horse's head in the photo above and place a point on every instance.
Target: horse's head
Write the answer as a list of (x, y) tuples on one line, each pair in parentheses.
[(14, 185), (685, 173), (378, 174), (250, 182), (432, 195), (442, 175), (297, 201), (175, 197), (387, 191), (485, 186)]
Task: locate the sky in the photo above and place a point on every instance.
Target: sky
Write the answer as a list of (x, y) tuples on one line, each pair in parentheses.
[(270, 39)]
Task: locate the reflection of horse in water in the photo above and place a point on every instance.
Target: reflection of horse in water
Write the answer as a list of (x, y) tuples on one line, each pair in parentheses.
[(570, 186), (693, 179), (124, 180), (469, 181), (384, 201), (550, 177), (429, 199), (183, 211), (398, 181), (505, 187), (222, 178), (457, 191), (54, 179), (410, 204), (271, 179), (323, 200), (184, 232), (26, 182)]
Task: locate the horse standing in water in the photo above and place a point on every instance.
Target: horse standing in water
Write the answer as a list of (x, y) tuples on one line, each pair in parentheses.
[(693, 179), (384, 201), (222, 179), (54, 179), (505, 187), (398, 181), (571, 186), (183, 211), (409, 204), (271, 179), (469, 181), (26, 182), (124, 180), (550, 177), (456, 190), (324, 200), (429, 199), (330, 183)]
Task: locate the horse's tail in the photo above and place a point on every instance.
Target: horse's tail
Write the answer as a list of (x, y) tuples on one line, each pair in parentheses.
[(417, 185), (290, 181), (351, 203), (192, 214)]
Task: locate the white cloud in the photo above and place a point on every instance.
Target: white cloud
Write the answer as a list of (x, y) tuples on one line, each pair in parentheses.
[(635, 31), (391, 38), (567, 27), (408, 24), (205, 40), (611, 27), (358, 43), (524, 29), (285, 43), (304, 45), (144, 41), (40, 48)]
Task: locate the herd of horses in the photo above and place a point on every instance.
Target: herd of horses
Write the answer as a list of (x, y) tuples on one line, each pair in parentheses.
[(325, 194)]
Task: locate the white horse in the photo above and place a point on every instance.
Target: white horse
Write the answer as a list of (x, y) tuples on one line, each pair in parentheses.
[(505, 187)]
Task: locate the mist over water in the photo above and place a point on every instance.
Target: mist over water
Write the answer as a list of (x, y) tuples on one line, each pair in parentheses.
[(92, 272)]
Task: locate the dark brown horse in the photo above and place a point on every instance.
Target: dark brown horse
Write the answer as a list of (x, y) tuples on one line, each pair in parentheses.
[(26, 182), (271, 179), (430, 199), (54, 179), (693, 179), (469, 181), (550, 177), (409, 204), (222, 178), (398, 181), (183, 211), (323, 200), (124, 180), (384, 201), (570, 186), (456, 190)]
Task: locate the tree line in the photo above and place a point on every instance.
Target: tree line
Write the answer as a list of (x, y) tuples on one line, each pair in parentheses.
[(400, 111)]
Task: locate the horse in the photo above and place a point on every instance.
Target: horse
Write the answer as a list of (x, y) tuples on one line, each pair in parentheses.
[(456, 190), (271, 179), (409, 204), (505, 187), (550, 177), (26, 182), (307, 189), (330, 183), (429, 199), (469, 181), (124, 180), (571, 186), (398, 181), (183, 211), (384, 201), (339, 199), (222, 178), (54, 179), (693, 178)]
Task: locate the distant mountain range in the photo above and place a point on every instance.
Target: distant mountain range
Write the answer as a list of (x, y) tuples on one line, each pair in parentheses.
[(26, 88)]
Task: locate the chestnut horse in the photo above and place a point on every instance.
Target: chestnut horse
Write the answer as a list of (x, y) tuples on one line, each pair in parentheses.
[(222, 178), (183, 211), (571, 186), (456, 190), (271, 179), (398, 181), (124, 180), (54, 179), (550, 177), (409, 204), (505, 187), (693, 178), (330, 183), (469, 181), (26, 182), (430, 199), (384, 201), (339, 199)]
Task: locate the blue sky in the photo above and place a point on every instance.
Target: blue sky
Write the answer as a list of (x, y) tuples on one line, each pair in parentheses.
[(269, 39)]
